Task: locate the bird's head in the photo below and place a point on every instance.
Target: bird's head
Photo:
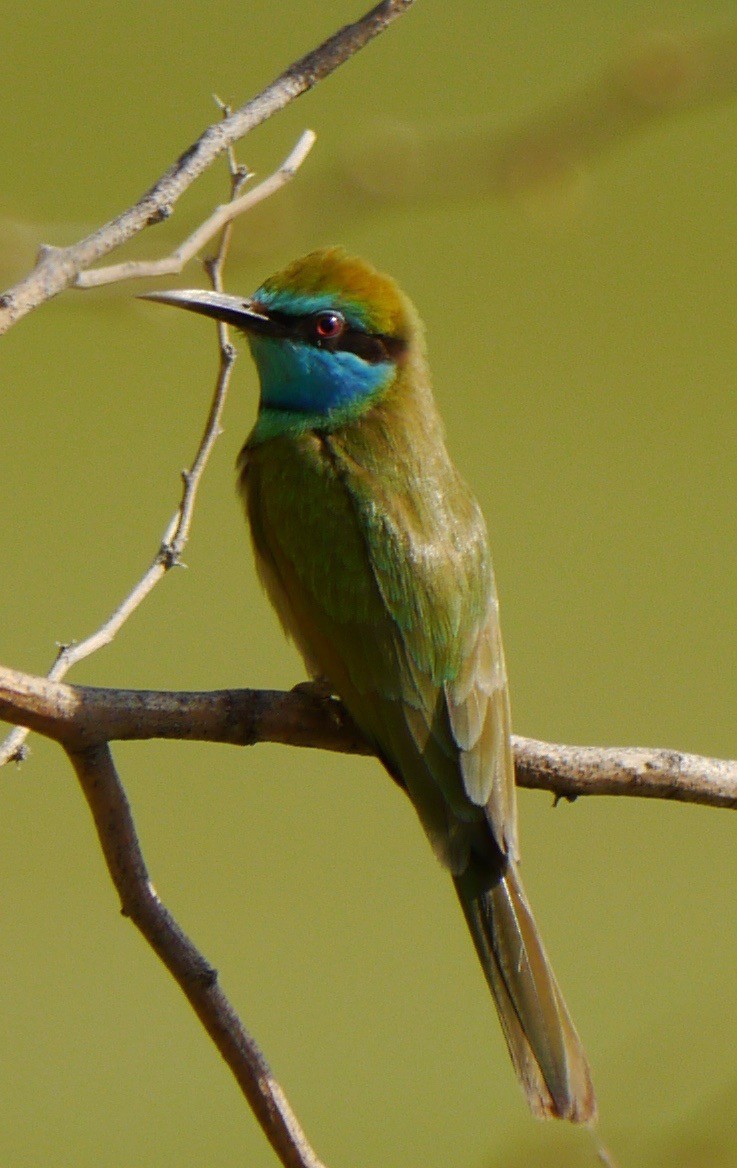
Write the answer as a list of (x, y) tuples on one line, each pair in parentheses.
[(328, 334)]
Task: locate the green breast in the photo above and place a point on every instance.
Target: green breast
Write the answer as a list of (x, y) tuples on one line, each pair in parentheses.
[(374, 554), (367, 537)]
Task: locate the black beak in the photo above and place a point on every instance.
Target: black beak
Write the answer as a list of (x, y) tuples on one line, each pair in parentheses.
[(243, 314)]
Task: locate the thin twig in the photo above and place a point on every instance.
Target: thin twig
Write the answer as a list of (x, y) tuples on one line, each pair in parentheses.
[(226, 353), (84, 716), (193, 973), (224, 214), (58, 268), (177, 531)]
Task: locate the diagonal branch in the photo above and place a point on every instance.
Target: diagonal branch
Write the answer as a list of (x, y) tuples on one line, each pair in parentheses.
[(221, 217), (58, 268), (83, 716), (194, 975)]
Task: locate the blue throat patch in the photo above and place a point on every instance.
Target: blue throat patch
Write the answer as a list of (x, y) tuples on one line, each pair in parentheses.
[(309, 387)]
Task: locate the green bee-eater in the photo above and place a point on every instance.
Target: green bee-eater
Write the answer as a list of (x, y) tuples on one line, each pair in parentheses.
[(375, 556)]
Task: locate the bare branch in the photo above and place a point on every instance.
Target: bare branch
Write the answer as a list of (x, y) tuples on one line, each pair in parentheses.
[(647, 772), (172, 264), (177, 531), (194, 975), (166, 558), (92, 759), (83, 716), (66, 265), (58, 268)]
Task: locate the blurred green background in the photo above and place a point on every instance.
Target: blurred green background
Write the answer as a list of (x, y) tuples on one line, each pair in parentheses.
[(585, 357)]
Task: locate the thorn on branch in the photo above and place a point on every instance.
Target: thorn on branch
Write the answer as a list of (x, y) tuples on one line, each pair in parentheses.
[(169, 557), (159, 214), (559, 796), (207, 977)]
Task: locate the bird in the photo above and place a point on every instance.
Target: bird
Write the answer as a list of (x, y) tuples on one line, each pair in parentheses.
[(375, 555)]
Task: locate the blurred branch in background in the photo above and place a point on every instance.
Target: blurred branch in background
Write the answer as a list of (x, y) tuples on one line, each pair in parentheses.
[(662, 76), (540, 161)]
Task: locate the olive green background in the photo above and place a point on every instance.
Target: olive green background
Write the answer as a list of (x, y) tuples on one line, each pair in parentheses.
[(585, 357)]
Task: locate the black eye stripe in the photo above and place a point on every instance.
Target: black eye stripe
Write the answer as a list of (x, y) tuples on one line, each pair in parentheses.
[(371, 347)]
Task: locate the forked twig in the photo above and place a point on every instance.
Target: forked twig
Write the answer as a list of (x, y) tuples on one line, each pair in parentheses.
[(58, 268), (177, 530), (172, 264)]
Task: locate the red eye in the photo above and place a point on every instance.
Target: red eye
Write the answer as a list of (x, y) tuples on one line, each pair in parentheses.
[(329, 325)]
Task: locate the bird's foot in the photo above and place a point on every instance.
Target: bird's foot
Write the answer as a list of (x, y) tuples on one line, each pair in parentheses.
[(316, 687)]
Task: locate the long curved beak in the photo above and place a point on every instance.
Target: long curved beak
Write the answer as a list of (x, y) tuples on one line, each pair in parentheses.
[(243, 314)]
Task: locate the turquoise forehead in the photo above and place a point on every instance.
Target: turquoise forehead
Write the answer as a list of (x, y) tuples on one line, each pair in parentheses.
[(357, 314)]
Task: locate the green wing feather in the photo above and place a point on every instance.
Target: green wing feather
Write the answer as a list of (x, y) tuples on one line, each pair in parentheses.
[(402, 620)]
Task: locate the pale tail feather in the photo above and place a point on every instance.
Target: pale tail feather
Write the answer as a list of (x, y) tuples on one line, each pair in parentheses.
[(545, 1049)]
